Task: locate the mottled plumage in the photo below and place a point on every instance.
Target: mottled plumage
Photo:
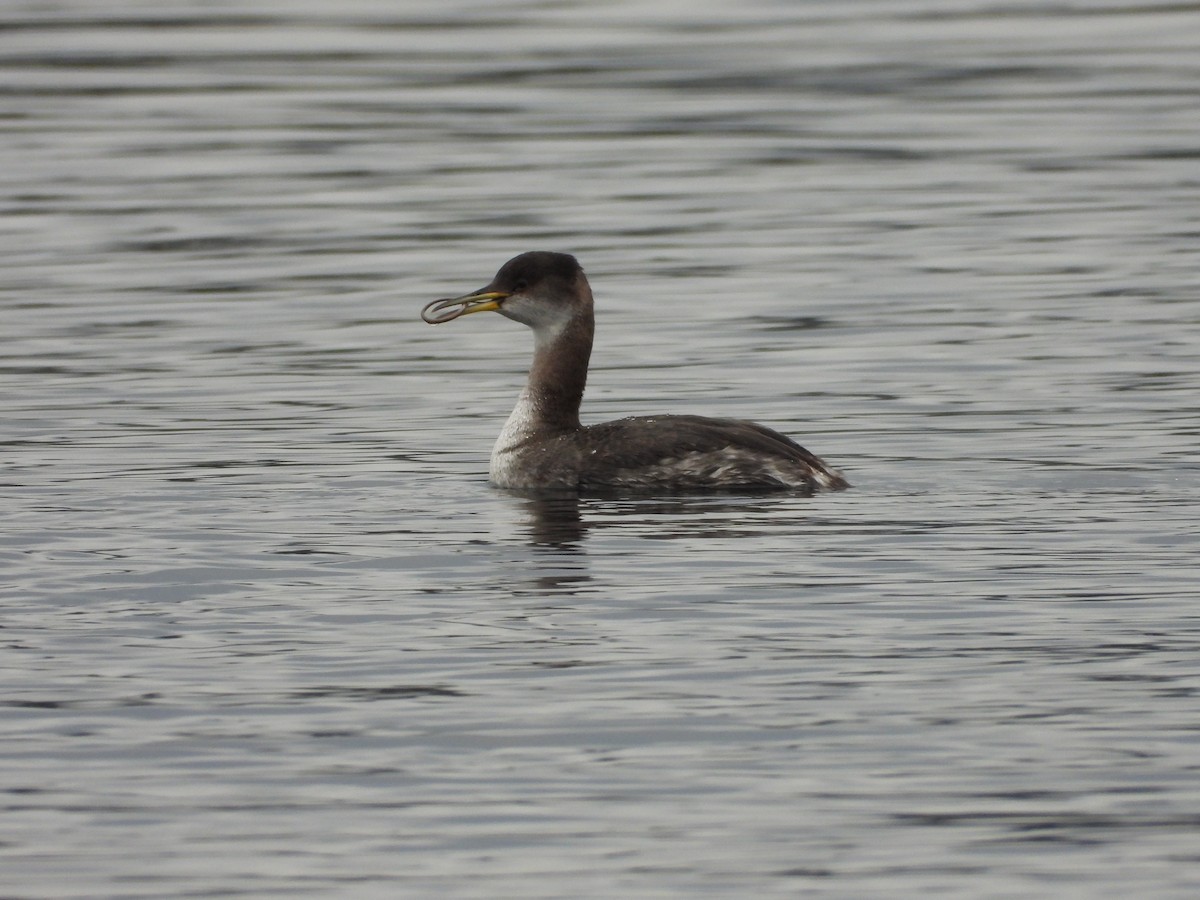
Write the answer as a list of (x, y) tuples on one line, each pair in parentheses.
[(543, 444)]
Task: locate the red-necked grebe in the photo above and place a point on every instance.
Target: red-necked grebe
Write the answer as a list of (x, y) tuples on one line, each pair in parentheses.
[(543, 444)]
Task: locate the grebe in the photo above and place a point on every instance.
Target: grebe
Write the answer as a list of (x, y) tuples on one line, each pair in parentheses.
[(544, 446)]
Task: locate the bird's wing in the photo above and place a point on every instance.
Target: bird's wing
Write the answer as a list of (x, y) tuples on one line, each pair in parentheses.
[(613, 449)]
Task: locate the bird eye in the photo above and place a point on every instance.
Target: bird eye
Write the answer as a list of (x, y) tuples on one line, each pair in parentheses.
[(520, 286)]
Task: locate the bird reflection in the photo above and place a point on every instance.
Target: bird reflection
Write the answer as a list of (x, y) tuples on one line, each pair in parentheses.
[(562, 521), (555, 521)]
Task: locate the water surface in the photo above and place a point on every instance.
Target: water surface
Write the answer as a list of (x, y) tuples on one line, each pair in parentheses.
[(266, 629)]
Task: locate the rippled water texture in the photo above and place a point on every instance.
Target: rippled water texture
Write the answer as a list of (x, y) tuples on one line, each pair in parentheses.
[(266, 629)]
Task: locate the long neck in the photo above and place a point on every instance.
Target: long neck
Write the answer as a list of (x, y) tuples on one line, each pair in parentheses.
[(559, 373)]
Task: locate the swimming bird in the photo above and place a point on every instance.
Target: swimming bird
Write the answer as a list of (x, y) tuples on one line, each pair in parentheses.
[(544, 446)]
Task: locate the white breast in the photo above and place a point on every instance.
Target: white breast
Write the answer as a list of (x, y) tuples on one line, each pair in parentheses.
[(516, 432)]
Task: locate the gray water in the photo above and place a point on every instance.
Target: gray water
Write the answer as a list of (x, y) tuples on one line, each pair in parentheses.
[(266, 629)]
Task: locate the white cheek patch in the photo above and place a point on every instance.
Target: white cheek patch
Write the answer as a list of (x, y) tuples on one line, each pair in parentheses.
[(546, 319), (546, 334)]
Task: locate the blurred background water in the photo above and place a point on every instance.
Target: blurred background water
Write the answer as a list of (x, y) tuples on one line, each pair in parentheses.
[(267, 631)]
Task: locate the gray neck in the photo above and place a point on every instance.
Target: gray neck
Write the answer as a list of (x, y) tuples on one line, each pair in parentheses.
[(558, 375)]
